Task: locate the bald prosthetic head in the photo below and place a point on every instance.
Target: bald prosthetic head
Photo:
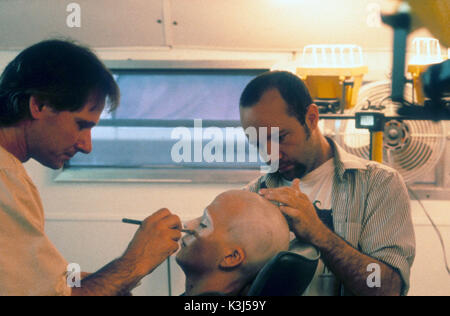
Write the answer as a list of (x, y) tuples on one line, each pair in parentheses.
[(254, 224), (237, 234)]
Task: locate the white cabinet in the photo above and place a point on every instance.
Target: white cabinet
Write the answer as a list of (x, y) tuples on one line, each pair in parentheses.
[(104, 23), (244, 25), (277, 24)]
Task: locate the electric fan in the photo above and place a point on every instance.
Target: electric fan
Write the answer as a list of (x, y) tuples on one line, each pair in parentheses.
[(413, 147)]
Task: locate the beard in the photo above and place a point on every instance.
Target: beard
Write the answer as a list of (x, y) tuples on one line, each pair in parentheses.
[(298, 171)]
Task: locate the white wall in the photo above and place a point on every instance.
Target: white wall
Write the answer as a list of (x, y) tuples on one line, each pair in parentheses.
[(428, 275)]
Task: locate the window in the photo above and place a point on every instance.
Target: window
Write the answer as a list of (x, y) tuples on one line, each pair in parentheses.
[(174, 124)]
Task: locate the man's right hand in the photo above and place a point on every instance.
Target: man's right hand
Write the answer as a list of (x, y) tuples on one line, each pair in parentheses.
[(155, 240)]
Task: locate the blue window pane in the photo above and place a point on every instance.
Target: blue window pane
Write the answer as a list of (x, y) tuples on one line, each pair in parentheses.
[(176, 95), (169, 96)]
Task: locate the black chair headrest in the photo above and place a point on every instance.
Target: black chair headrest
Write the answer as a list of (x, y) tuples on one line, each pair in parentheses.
[(289, 273)]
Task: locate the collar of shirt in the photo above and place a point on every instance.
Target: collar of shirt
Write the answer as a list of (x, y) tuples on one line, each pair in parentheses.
[(344, 161)]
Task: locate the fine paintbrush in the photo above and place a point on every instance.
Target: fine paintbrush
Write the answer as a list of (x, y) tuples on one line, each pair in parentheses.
[(136, 222)]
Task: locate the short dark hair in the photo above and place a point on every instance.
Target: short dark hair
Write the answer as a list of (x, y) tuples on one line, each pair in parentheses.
[(291, 88), (59, 72)]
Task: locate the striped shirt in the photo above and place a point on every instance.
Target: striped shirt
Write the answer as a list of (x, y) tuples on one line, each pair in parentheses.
[(370, 209)]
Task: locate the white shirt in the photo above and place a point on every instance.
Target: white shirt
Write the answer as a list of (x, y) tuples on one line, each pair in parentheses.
[(317, 185), (29, 263)]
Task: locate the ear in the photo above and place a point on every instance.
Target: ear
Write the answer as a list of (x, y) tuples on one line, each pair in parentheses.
[(312, 116), (233, 258), (36, 107)]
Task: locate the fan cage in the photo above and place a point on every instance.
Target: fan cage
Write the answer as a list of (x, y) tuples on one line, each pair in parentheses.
[(413, 147)]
